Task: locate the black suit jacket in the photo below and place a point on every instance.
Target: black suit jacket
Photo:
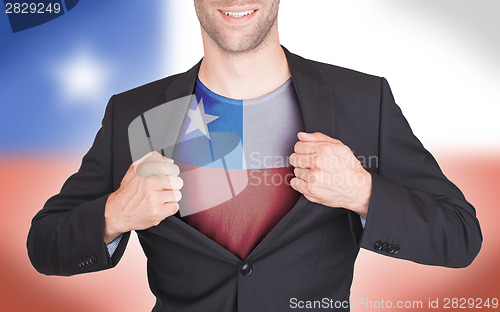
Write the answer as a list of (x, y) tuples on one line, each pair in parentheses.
[(415, 212)]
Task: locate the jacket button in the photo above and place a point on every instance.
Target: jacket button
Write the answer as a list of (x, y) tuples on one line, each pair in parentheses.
[(378, 245), (246, 269), (83, 263), (396, 249), (390, 249), (385, 245), (93, 260)]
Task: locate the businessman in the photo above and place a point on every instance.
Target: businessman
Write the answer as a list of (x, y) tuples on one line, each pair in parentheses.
[(261, 246)]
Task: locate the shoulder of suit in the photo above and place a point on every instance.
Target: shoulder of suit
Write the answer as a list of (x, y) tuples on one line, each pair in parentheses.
[(334, 73), (155, 88), (130, 104)]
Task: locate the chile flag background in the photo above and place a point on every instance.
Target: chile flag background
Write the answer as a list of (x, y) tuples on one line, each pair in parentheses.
[(56, 79)]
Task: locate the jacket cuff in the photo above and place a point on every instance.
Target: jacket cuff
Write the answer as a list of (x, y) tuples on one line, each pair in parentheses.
[(87, 233)]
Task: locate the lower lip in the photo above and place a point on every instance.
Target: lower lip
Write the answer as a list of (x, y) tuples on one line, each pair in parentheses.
[(237, 20)]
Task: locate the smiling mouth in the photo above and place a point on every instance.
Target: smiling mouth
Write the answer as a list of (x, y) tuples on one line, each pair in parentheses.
[(239, 14)]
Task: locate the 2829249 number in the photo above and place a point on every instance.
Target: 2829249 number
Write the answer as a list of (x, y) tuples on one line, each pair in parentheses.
[(32, 8)]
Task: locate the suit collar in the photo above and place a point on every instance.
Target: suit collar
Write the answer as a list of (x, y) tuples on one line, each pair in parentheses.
[(315, 97), (182, 84)]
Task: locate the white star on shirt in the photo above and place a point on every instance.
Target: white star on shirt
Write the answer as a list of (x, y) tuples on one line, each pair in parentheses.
[(200, 120)]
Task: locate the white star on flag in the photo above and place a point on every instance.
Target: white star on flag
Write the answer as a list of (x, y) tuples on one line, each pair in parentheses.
[(83, 77), (199, 120)]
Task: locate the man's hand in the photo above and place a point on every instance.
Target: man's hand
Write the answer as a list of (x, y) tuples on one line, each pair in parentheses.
[(148, 193), (327, 172)]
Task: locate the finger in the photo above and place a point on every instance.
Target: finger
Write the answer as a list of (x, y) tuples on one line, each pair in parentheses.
[(302, 161), (171, 208), (172, 183), (302, 173), (135, 164), (310, 176), (168, 160), (152, 154), (171, 169), (298, 184), (303, 147), (171, 196), (316, 137), (157, 169), (301, 186), (156, 157)]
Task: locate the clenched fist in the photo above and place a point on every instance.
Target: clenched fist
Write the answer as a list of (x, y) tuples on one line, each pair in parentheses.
[(148, 193), (327, 172)]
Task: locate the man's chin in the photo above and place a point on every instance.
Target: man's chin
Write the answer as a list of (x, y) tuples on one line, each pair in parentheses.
[(239, 45)]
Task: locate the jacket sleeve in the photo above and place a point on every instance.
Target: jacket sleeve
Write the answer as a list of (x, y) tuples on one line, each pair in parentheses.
[(67, 236), (415, 212)]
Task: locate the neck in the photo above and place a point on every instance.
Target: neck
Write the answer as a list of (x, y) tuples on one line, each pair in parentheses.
[(246, 75)]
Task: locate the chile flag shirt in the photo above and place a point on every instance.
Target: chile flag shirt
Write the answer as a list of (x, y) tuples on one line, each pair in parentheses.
[(233, 156)]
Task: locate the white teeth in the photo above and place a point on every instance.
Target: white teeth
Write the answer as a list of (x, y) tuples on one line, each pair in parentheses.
[(239, 14)]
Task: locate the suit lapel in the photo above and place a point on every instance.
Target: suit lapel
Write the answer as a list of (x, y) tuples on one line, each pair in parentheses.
[(183, 84), (315, 98)]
